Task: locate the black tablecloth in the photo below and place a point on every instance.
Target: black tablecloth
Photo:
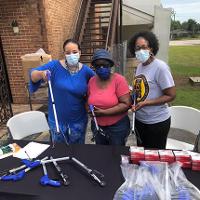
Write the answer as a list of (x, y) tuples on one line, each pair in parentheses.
[(105, 159)]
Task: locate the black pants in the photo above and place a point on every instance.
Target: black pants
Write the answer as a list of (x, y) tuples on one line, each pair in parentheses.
[(152, 135)]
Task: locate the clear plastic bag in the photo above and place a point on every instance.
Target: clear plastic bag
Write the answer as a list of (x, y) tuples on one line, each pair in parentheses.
[(139, 184), (155, 181), (160, 174), (126, 190), (181, 188)]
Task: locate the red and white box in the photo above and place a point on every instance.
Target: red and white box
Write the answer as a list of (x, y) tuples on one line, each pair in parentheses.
[(184, 158), (166, 156), (151, 155), (195, 161), (136, 154)]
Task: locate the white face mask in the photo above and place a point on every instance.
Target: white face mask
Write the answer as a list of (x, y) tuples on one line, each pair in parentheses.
[(142, 55), (72, 59)]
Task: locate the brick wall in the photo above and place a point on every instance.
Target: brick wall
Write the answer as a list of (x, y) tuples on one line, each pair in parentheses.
[(43, 24), (60, 17), (31, 37)]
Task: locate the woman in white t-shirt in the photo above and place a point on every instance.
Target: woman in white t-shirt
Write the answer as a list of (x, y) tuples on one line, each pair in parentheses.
[(153, 88)]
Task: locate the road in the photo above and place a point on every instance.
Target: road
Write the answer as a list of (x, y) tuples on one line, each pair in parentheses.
[(184, 42)]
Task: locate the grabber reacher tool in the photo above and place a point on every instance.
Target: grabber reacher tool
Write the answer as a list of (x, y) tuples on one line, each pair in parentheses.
[(133, 120), (16, 176), (64, 177), (99, 130), (93, 173), (134, 100), (134, 130), (48, 74), (45, 180)]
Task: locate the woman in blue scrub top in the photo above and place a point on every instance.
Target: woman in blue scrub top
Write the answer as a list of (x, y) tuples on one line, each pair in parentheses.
[(69, 79)]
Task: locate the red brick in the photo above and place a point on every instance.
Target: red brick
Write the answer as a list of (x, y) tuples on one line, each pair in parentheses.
[(43, 24)]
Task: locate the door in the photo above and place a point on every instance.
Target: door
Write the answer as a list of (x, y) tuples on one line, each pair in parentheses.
[(5, 94)]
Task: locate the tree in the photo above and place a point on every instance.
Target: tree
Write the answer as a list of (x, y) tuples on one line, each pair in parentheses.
[(192, 26), (198, 25), (175, 25), (184, 26)]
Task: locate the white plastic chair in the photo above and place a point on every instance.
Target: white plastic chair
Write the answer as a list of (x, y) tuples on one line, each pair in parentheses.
[(27, 123), (184, 118)]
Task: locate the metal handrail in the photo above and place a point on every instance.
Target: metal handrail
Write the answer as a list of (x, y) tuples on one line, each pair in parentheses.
[(110, 23), (84, 21), (76, 21)]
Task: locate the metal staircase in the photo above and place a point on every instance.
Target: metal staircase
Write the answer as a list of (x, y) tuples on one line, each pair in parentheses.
[(98, 26)]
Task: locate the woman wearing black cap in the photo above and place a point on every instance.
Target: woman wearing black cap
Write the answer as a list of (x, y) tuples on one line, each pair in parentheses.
[(109, 94)]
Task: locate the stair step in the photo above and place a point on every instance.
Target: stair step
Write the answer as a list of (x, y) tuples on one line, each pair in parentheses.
[(94, 37), (97, 22), (92, 47), (101, 2), (94, 40), (90, 43), (91, 52), (102, 17), (102, 11), (85, 38), (89, 29), (86, 54), (100, 6), (99, 10), (93, 34), (93, 28)]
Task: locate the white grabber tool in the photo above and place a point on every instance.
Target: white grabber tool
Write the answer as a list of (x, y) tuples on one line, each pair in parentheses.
[(134, 100), (133, 120), (48, 74)]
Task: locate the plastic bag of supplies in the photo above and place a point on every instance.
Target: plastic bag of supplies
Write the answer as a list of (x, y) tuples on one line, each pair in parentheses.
[(155, 181), (139, 184), (181, 188)]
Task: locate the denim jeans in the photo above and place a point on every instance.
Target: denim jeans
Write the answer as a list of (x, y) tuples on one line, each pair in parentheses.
[(115, 134), (74, 132)]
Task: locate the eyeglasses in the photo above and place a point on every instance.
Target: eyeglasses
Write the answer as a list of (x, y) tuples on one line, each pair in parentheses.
[(137, 48), (102, 65)]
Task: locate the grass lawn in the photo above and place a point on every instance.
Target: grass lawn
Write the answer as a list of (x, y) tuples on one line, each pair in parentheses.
[(185, 62)]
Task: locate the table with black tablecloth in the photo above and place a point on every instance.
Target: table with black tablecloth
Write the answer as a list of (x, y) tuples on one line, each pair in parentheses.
[(105, 159)]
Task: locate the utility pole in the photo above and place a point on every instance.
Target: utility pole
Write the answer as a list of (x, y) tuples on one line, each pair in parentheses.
[(173, 16)]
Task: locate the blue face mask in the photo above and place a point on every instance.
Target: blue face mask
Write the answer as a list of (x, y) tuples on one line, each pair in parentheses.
[(72, 59), (142, 55), (103, 72)]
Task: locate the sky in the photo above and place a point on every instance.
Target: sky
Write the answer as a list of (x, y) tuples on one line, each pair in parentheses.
[(185, 9)]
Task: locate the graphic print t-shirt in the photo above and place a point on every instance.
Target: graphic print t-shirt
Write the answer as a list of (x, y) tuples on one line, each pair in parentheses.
[(149, 83)]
